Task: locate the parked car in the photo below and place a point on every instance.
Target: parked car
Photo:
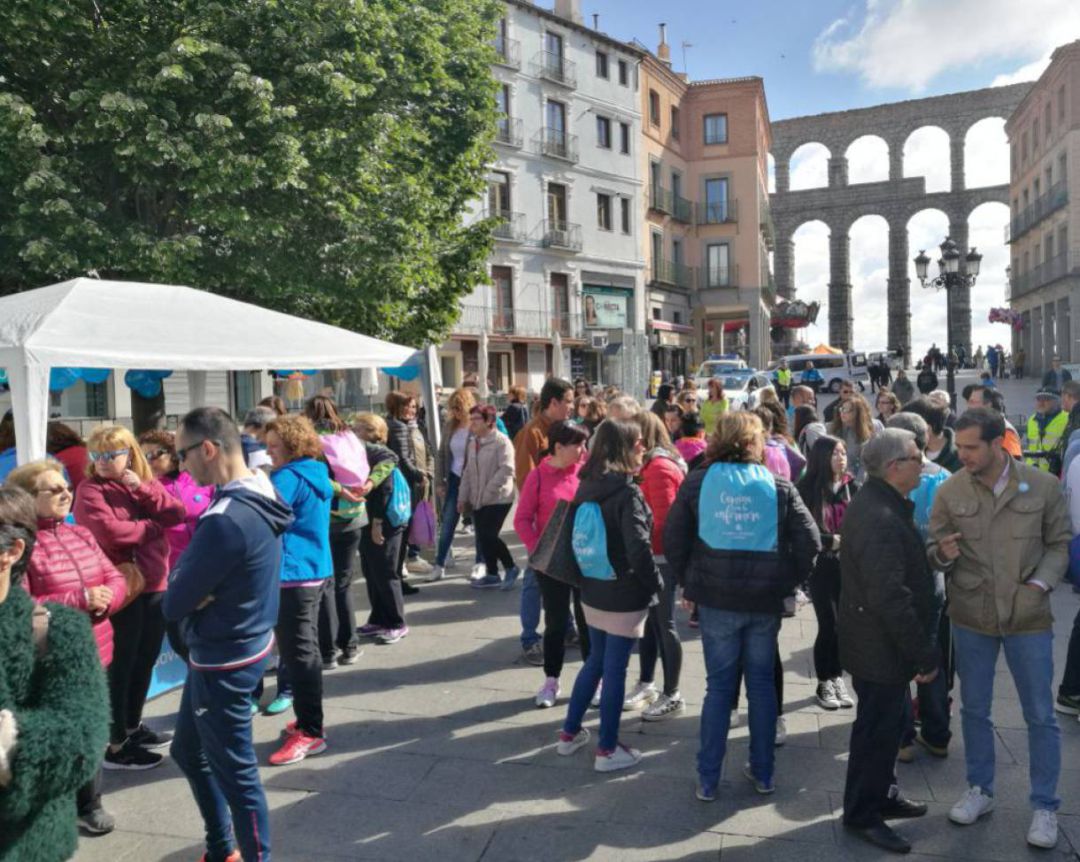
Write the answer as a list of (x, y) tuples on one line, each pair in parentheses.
[(718, 368), (742, 388)]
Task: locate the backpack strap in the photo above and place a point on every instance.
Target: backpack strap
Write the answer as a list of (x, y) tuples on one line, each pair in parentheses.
[(39, 630)]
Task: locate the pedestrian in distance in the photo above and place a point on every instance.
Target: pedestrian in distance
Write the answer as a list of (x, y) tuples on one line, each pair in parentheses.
[(612, 544), (737, 570), (713, 407), (516, 415), (448, 469), (224, 595), (902, 387)]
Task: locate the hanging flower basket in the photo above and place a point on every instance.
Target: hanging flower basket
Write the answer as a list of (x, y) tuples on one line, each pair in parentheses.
[(1007, 315)]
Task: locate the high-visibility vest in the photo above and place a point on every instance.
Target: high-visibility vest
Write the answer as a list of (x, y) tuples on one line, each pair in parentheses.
[(1046, 442), (783, 377)]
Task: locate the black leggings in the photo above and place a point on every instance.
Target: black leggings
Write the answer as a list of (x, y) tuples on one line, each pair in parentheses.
[(297, 634), (489, 523), (382, 575), (557, 597), (661, 636), (337, 613), (825, 594), (138, 631)]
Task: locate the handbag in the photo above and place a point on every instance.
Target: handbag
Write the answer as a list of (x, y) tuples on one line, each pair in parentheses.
[(422, 527), (134, 582), (553, 555)]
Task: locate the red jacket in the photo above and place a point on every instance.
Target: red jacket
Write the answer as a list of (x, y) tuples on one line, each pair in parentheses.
[(131, 525), (75, 460), (66, 561), (660, 480)]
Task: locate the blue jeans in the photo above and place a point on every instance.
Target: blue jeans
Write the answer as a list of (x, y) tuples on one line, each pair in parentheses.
[(608, 658), (530, 609), (449, 522), (213, 749), (1031, 662), (728, 638)]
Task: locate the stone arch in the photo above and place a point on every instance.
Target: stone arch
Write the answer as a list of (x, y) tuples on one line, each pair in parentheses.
[(809, 166), (868, 159), (986, 153), (927, 153), (986, 223), (810, 269)]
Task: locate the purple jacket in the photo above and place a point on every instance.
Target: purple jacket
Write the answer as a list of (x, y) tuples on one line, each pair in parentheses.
[(196, 500)]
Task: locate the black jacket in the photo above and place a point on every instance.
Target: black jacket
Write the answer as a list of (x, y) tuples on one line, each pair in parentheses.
[(628, 523), (948, 457), (400, 442), (515, 417), (752, 581), (379, 498), (887, 601)]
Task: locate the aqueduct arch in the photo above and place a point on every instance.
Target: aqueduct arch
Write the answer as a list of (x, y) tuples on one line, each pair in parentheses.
[(897, 199)]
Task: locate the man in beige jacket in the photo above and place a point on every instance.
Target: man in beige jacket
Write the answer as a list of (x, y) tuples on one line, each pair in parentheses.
[(1000, 531)]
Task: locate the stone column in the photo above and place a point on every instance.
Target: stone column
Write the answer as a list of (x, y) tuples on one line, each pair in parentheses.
[(899, 291), (782, 172), (838, 171), (840, 331), (956, 161), (784, 265), (896, 161), (961, 296)]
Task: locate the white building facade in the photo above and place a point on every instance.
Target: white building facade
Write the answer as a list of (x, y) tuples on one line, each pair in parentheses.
[(565, 293)]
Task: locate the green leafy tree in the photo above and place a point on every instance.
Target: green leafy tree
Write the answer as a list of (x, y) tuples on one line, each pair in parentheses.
[(314, 156)]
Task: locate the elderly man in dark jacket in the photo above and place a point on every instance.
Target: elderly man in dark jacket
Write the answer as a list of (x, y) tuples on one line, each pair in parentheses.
[(887, 613)]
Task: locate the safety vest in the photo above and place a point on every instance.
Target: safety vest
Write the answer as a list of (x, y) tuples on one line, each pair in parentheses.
[(783, 377), (1046, 442)]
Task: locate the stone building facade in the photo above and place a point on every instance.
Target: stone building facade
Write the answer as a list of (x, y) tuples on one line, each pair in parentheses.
[(1044, 228)]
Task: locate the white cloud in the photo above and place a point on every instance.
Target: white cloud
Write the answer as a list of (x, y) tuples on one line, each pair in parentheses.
[(908, 43), (809, 167), (868, 160), (926, 154), (1027, 72)]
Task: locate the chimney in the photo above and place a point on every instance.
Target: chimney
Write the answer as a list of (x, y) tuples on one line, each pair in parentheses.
[(570, 9), (596, 20), (663, 52)]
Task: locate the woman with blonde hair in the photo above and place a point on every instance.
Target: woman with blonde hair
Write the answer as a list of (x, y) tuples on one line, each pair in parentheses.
[(449, 466), (854, 425), (129, 512)]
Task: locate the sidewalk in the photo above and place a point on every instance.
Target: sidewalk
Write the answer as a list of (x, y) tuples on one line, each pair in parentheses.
[(437, 752)]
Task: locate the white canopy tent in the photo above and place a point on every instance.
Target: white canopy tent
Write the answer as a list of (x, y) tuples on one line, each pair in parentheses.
[(91, 323)]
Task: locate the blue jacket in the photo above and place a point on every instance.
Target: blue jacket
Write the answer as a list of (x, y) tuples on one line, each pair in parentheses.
[(8, 462), (304, 485), (933, 475), (234, 559)]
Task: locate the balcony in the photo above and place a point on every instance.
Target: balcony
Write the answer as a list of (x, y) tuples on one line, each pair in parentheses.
[(555, 67), (557, 144), (768, 227), (509, 132), (667, 202), (672, 274), (1054, 199), (719, 276), (525, 323), (509, 227), (508, 52), (560, 234), (1051, 270), (719, 212)]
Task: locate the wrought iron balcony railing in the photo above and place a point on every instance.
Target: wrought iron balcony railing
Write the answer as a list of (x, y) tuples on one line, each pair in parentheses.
[(555, 67), (557, 233), (509, 132), (557, 144), (508, 52)]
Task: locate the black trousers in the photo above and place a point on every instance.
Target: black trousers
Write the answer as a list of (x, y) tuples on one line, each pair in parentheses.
[(662, 638), (557, 598), (337, 613), (875, 741), (825, 594), (489, 523), (382, 575), (88, 797), (297, 633), (138, 633)]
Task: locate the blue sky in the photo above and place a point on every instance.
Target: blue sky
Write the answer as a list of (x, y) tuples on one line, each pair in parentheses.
[(830, 55)]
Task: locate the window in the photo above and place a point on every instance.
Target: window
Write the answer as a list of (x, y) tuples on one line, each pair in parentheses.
[(1036, 190), (676, 317), (1012, 159), (624, 206), (657, 254), (502, 102), (560, 302), (1047, 120), (502, 288), (553, 44), (1061, 104), (1048, 244), (716, 200), (555, 134), (716, 128), (1035, 137), (676, 184), (656, 314), (499, 193), (556, 196), (624, 73), (676, 251), (1061, 168), (718, 265), (654, 107), (674, 122), (601, 64), (603, 211), (1023, 148), (624, 138), (603, 132)]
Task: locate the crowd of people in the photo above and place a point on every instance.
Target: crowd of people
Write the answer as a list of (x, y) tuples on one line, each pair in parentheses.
[(925, 541)]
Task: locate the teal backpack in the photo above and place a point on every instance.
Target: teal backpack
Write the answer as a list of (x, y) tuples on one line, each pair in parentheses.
[(590, 543), (399, 509)]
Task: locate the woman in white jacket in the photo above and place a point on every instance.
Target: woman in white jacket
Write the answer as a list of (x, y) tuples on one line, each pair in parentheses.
[(487, 491)]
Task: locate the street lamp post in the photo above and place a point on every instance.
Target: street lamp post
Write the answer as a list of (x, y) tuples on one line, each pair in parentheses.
[(949, 277)]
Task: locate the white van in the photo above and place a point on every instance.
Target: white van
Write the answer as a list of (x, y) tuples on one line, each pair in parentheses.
[(835, 368), (719, 367)]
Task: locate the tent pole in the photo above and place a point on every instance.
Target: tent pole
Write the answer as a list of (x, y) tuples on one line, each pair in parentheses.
[(431, 399), (30, 407)]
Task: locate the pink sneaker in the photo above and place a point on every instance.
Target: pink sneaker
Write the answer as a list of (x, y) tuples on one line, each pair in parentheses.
[(298, 745)]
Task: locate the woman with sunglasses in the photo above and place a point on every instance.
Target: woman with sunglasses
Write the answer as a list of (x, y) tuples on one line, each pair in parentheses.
[(69, 568), (129, 512), (159, 449)]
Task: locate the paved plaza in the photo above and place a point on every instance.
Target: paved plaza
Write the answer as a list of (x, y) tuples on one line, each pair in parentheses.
[(437, 752)]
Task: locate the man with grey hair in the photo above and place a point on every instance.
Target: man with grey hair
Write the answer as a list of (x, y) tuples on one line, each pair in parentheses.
[(623, 408), (253, 437), (887, 618)]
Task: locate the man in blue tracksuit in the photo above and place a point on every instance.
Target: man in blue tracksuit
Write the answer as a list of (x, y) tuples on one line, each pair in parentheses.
[(224, 594)]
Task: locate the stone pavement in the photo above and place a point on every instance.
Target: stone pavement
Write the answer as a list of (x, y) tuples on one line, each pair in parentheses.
[(436, 751)]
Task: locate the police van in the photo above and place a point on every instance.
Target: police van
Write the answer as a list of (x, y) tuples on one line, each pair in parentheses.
[(835, 368)]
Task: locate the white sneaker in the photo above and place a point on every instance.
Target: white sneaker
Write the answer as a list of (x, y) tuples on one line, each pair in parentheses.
[(418, 566), (841, 693), (621, 758), (665, 706), (1043, 832), (781, 731), (566, 747), (643, 695), (437, 573), (549, 693), (479, 570), (973, 805), (826, 695)]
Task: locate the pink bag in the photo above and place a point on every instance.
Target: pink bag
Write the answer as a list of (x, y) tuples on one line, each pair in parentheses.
[(422, 528), (347, 458)]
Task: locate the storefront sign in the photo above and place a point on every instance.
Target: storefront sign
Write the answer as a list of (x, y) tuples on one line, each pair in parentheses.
[(606, 307)]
